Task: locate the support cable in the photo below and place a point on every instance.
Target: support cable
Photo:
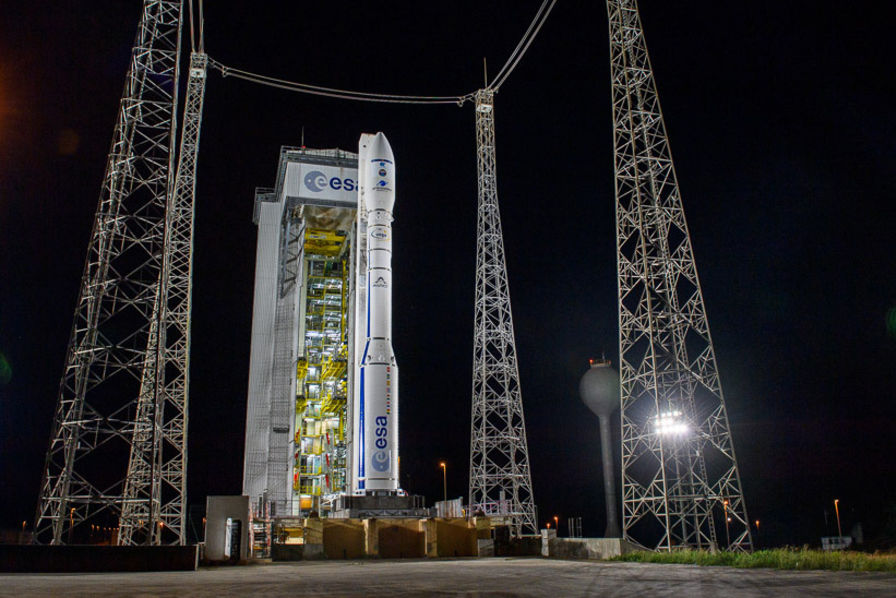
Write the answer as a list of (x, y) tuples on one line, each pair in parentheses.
[(362, 96), (528, 37), (342, 94)]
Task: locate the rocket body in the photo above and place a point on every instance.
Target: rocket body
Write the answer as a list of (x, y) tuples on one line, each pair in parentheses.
[(376, 443)]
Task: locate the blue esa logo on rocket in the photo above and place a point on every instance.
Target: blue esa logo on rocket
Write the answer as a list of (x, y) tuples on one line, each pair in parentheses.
[(380, 459)]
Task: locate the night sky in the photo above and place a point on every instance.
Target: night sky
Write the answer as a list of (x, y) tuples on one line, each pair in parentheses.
[(781, 122)]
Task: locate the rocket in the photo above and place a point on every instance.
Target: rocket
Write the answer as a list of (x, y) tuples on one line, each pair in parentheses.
[(375, 445)]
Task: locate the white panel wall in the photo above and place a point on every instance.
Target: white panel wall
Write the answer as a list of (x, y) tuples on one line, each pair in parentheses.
[(258, 408)]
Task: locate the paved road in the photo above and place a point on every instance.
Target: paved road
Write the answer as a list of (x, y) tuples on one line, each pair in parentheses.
[(456, 577)]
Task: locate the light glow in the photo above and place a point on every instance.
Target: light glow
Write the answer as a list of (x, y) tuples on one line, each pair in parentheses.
[(671, 424)]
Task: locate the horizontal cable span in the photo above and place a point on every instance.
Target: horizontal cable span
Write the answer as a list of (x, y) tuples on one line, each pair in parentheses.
[(331, 92)]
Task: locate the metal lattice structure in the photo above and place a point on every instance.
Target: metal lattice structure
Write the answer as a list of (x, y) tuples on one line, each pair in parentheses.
[(500, 482), (680, 482), (155, 492), (109, 391)]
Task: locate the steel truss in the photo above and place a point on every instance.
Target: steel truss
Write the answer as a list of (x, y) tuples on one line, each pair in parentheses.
[(680, 482), (500, 482), (107, 412), (155, 492)]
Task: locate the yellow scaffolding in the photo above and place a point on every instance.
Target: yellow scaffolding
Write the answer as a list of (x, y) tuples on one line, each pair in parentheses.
[(321, 373)]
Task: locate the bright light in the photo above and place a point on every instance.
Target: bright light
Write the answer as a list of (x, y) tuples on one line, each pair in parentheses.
[(671, 424)]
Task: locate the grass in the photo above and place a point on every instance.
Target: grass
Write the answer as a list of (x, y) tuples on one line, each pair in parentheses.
[(778, 558)]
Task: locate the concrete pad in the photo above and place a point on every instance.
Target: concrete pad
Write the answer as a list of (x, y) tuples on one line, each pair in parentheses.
[(457, 577)]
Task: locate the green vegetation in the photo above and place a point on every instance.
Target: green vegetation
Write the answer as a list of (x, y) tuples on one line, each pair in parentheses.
[(779, 558)]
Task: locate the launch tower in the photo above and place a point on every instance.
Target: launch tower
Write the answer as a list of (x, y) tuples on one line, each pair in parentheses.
[(500, 481), (680, 483), (118, 450)]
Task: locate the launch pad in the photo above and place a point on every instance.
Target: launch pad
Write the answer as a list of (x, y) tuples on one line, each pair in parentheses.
[(379, 506)]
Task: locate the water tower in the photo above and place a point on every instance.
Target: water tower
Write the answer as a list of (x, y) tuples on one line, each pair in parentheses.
[(599, 389)]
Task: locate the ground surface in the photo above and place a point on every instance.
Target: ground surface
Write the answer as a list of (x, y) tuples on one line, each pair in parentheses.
[(457, 577)]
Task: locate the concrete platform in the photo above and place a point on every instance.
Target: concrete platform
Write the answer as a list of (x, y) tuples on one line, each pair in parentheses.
[(457, 577), (388, 538)]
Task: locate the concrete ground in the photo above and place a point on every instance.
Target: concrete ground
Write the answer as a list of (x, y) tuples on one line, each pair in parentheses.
[(456, 577)]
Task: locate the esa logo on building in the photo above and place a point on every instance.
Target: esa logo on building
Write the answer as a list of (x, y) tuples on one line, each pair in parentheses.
[(316, 181)]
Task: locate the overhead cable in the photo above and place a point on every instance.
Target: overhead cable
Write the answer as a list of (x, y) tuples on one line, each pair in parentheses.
[(522, 41), (362, 96), (534, 27), (331, 92)]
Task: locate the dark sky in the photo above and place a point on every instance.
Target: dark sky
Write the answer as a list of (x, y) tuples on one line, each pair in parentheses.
[(781, 123)]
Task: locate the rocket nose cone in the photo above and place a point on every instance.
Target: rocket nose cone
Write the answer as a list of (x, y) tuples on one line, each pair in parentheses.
[(380, 173), (380, 148)]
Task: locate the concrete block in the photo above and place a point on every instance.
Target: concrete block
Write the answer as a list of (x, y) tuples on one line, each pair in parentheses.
[(485, 547), (586, 548), (456, 537), (314, 530), (401, 538), (546, 536), (344, 538), (431, 535), (483, 528), (371, 538)]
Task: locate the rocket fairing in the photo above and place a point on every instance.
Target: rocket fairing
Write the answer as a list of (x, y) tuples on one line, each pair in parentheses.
[(376, 440)]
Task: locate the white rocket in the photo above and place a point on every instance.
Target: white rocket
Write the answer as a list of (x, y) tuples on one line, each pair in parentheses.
[(375, 429)]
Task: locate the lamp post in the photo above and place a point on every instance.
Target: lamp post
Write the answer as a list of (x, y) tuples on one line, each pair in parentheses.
[(727, 530), (444, 481), (71, 524), (557, 524), (837, 511)]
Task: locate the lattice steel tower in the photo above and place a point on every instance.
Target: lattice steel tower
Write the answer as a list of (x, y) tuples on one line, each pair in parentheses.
[(500, 482), (155, 492), (680, 483), (118, 447)]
